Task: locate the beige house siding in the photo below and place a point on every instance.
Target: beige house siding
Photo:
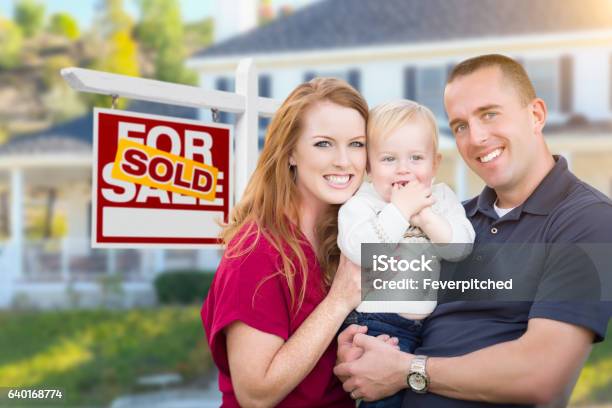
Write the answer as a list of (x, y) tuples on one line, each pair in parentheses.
[(595, 168)]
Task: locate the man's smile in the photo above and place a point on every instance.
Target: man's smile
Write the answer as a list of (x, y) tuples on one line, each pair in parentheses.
[(487, 157)]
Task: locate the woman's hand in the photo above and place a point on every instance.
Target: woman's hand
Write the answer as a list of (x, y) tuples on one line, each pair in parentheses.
[(345, 290), (380, 371)]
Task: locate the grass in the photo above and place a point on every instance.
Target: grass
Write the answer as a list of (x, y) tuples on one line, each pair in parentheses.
[(96, 355), (595, 382)]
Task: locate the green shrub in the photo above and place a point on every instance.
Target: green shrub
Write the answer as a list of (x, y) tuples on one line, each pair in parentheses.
[(183, 287)]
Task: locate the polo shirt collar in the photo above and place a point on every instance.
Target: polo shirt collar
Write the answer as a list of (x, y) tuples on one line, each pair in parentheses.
[(541, 202), (484, 203), (551, 190)]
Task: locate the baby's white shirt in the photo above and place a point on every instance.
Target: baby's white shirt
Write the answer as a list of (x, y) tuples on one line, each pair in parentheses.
[(367, 218)]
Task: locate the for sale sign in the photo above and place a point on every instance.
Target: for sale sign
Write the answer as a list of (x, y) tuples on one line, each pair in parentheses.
[(159, 181)]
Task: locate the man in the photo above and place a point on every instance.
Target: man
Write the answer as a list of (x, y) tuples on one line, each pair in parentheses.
[(487, 351)]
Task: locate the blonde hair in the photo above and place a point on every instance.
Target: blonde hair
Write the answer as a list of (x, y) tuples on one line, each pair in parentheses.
[(271, 200), (387, 117)]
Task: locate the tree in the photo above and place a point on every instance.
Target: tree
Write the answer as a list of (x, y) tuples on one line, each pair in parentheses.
[(112, 18), (11, 40), (64, 24), (30, 16), (161, 33), (199, 34), (118, 51), (60, 101)]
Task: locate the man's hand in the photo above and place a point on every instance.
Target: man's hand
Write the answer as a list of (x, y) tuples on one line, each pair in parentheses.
[(379, 372)]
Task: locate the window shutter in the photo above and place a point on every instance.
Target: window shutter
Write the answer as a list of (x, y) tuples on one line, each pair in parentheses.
[(309, 75), (354, 78), (567, 82), (265, 90), (410, 83), (610, 80), (449, 69)]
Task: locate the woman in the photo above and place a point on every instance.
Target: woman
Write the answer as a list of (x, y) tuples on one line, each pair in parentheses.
[(281, 290)]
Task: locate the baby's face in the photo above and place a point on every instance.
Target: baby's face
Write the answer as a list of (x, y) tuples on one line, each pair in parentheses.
[(406, 154)]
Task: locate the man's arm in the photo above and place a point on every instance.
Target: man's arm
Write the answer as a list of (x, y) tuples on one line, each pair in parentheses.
[(535, 368), (532, 369)]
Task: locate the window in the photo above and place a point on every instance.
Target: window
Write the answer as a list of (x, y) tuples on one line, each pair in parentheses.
[(352, 76), (545, 76), (429, 88), (425, 85)]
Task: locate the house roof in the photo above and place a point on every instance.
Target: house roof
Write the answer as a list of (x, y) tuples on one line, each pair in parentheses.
[(76, 136), (330, 24)]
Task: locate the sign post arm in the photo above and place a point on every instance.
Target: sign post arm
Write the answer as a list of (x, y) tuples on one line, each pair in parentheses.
[(106, 83)]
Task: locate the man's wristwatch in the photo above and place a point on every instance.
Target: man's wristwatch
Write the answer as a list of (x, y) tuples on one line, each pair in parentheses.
[(418, 381)]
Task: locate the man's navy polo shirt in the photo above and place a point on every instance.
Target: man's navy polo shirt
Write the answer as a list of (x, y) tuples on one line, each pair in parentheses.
[(562, 209)]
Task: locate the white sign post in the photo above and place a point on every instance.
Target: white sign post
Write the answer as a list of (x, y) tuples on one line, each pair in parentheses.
[(245, 103)]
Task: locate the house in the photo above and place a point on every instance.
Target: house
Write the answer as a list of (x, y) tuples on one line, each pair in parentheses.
[(47, 178), (391, 49), (387, 49)]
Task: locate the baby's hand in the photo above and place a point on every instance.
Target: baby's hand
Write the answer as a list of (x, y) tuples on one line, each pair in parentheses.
[(411, 198), (421, 218)]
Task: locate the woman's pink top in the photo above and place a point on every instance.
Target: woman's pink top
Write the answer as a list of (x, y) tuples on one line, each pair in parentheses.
[(238, 294)]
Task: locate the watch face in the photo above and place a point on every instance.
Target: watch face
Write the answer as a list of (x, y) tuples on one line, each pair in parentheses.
[(417, 382)]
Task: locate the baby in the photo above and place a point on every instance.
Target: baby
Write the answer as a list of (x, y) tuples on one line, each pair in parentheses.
[(402, 205)]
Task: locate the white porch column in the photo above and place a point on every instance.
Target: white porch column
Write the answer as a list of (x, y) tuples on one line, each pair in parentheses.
[(159, 262), (111, 261), (208, 259), (17, 241), (461, 178), (65, 260)]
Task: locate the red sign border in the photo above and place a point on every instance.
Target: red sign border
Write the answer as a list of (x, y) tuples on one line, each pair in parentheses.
[(152, 242)]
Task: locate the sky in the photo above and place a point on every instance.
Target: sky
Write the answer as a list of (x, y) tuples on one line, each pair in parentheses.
[(83, 10)]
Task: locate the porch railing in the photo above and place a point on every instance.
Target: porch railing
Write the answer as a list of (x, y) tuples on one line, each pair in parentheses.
[(70, 259), (73, 260)]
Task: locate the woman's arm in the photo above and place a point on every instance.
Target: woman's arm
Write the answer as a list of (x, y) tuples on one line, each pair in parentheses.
[(265, 368)]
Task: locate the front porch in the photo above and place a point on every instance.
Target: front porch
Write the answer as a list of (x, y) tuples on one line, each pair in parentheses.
[(46, 258)]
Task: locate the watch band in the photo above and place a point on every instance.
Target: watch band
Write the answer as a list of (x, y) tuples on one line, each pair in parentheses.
[(418, 381), (419, 364)]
